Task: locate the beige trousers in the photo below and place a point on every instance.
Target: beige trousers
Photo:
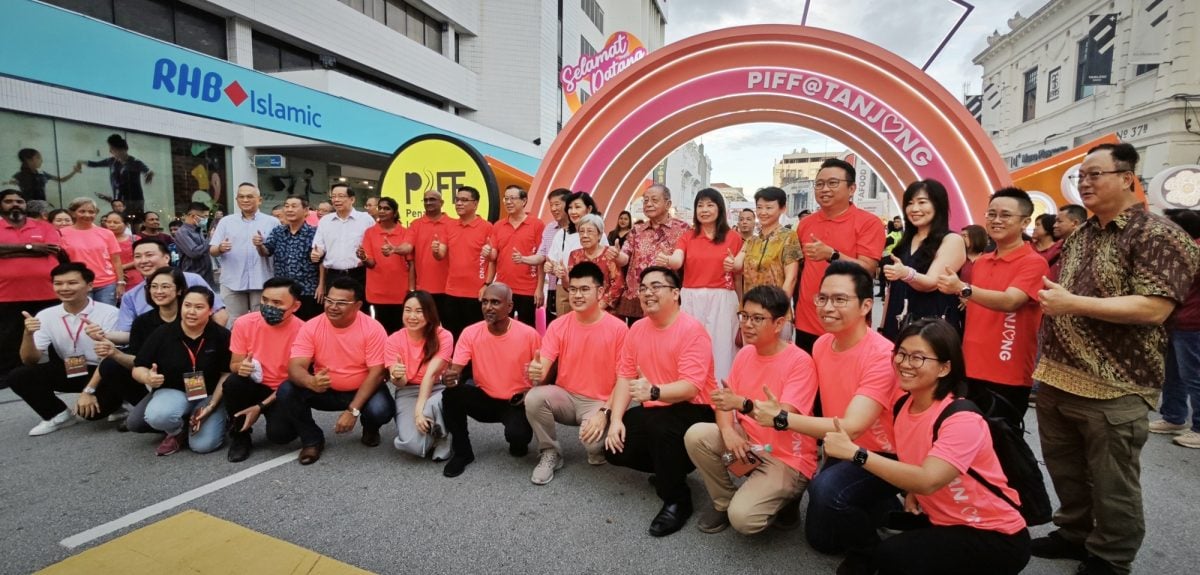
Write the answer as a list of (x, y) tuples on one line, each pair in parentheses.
[(547, 404)]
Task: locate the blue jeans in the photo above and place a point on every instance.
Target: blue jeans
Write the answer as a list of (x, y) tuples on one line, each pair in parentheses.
[(297, 404), (845, 505), (106, 294), (1183, 379), (169, 411)]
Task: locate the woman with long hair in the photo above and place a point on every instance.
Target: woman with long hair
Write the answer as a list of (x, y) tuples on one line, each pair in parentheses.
[(706, 256), (925, 251), (417, 355), (963, 526), (617, 236), (30, 178), (975, 240), (591, 229), (387, 264), (164, 289), (97, 248), (115, 223), (566, 241)]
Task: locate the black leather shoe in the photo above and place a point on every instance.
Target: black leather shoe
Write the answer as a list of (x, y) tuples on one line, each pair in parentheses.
[(1095, 566), (370, 437), (788, 516), (239, 447), (1053, 546), (671, 518), (457, 465)]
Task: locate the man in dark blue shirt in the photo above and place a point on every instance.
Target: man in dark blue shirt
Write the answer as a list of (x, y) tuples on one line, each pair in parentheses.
[(290, 245)]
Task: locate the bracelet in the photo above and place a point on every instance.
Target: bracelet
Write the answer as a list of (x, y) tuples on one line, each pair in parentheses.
[(122, 282), (912, 274)]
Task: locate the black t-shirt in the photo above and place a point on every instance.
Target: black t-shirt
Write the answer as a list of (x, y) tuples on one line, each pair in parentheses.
[(166, 348), (143, 327)]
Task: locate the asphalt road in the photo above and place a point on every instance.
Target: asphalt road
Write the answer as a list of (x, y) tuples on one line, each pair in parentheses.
[(389, 513)]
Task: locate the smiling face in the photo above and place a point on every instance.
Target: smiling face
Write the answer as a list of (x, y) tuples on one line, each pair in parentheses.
[(842, 310), (833, 189), (768, 212), (655, 203), (513, 202), (758, 326), (583, 294), (496, 304), (917, 365), (706, 211), (414, 315), (71, 287), (557, 206), (1005, 220), (163, 291), (1107, 192), (920, 210), (149, 257), (658, 294), (247, 199), (340, 307), (589, 236), (340, 198), (85, 214), (465, 205), (62, 220), (385, 213), (294, 211), (577, 209)]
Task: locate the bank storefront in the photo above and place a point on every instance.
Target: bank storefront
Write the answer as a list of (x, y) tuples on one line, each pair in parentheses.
[(195, 121)]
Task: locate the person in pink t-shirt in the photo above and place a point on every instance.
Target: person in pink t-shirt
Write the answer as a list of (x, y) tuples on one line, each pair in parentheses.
[(666, 365), (857, 385), (584, 344), (499, 351), (770, 368), (260, 347), (417, 354), (967, 527), (337, 364)]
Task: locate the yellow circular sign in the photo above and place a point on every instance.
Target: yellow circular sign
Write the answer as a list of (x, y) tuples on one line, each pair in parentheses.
[(442, 163)]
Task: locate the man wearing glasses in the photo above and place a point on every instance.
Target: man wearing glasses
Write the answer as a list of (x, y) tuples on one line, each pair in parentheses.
[(337, 365), (659, 234), (512, 251), (771, 369), (429, 234), (468, 264), (1001, 335), (666, 365), (585, 344), (339, 235), (1103, 361), (839, 231), (858, 385)]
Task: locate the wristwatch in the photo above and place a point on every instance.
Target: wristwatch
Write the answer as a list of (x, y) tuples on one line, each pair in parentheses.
[(655, 391), (353, 411), (606, 411), (747, 406), (28, 247), (89, 390), (860, 457), (965, 292), (833, 257), (781, 420)]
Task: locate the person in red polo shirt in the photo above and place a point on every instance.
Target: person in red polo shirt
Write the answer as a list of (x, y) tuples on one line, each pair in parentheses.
[(838, 231), (1003, 316), (29, 248), (427, 235), (512, 249), (468, 265)]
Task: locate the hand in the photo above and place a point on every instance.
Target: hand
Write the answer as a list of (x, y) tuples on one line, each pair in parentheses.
[(765, 410), (320, 381), (32, 324), (1055, 299), (539, 298), (398, 372), (316, 254), (612, 253), (225, 246), (360, 253), (592, 429), (386, 250), (895, 271), (257, 240), (246, 367), (735, 443), (948, 282), (838, 444), (662, 259), (46, 249), (482, 289), (120, 291), (149, 177), (639, 389), (423, 424), (104, 348), (725, 400), (486, 252), (78, 167), (560, 271), (93, 330), (250, 414), (728, 263), (87, 407), (816, 250), (517, 258), (199, 415), (911, 505), (450, 376), (615, 440), (536, 369), (320, 295), (156, 379), (345, 422)]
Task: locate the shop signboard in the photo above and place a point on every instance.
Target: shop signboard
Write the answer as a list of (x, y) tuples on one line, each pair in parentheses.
[(269, 161), (443, 164), (593, 70)]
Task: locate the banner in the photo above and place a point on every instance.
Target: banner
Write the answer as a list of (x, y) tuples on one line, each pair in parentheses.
[(1101, 39), (1149, 28), (620, 52)]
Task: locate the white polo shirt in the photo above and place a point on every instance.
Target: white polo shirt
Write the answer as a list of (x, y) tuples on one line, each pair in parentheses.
[(65, 331), (340, 238)]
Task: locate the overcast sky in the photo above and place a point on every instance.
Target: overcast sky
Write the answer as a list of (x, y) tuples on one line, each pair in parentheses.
[(744, 155)]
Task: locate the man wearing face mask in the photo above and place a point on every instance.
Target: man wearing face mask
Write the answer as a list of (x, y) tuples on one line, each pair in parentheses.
[(260, 346), (191, 245), (29, 249)]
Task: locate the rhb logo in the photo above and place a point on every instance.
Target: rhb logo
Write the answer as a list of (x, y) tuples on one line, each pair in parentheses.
[(190, 81)]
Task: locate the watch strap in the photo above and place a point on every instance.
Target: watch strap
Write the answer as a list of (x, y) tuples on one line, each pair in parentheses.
[(747, 406)]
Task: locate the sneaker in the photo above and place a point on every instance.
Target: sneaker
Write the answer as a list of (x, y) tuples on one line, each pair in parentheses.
[(64, 419), (549, 462), (118, 415), (1190, 439), (713, 521), (596, 458), (1164, 426), (170, 444), (1053, 546)]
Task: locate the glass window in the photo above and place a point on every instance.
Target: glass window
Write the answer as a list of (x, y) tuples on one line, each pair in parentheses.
[(356, 4), (1144, 69), (204, 33), (1082, 91), (1029, 106), (153, 18), (99, 9), (266, 55), (292, 58), (433, 35), (416, 25), (396, 18)]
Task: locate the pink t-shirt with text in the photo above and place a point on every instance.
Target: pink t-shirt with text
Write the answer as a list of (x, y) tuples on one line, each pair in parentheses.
[(792, 378), (587, 354), (866, 370)]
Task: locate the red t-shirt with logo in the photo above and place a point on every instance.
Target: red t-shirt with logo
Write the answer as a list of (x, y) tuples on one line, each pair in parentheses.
[(468, 268), (525, 238), (1001, 347), (430, 271), (28, 279), (853, 234)]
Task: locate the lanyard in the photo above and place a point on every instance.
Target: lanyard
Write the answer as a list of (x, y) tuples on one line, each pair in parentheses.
[(75, 336), (192, 354)]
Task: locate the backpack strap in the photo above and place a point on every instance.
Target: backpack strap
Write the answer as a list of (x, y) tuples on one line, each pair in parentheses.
[(957, 406), (900, 405)]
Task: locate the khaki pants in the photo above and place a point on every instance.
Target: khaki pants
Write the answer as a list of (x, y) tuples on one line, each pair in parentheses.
[(766, 490), (547, 404)]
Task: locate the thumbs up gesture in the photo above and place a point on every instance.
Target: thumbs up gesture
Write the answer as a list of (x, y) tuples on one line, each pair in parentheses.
[(399, 372), (728, 263), (895, 271), (32, 324), (93, 330), (316, 254), (386, 249), (536, 369), (226, 245), (246, 367), (156, 379), (1055, 299), (257, 240), (517, 258), (486, 252), (765, 410), (816, 250), (639, 389), (948, 282), (838, 443), (320, 381)]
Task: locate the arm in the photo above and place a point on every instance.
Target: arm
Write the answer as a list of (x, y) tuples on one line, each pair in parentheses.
[(188, 246), (298, 372), (790, 271), (412, 275), (950, 256), (432, 369), (30, 354), (932, 475), (860, 414), (675, 260)]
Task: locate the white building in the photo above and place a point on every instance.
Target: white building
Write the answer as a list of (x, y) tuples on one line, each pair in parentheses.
[(686, 171), (1037, 104), (198, 87)]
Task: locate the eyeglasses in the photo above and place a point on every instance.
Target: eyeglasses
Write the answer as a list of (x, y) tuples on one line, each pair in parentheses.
[(463, 200), (838, 301), (831, 183), (337, 303), (644, 289), (1003, 216), (914, 360), (1092, 176), (754, 320), (581, 290)]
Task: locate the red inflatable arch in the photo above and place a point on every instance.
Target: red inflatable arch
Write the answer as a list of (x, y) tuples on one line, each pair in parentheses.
[(899, 119)]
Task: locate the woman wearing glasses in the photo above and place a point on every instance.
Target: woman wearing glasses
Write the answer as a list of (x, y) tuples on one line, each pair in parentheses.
[(926, 251), (771, 256), (566, 240), (590, 229), (963, 526)]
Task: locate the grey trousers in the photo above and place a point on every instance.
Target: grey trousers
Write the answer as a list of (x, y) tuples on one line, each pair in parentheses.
[(409, 439)]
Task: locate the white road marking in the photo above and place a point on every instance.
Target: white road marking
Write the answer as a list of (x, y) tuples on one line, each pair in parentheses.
[(146, 512)]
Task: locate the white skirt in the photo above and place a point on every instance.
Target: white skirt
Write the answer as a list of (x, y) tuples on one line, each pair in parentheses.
[(717, 309)]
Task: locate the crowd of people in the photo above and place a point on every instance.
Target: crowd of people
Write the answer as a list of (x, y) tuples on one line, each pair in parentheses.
[(747, 353)]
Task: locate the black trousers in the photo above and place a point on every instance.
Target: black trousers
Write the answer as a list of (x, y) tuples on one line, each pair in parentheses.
[(242, 392), (524, 310), (953, 550), (551, 309), (36, 385), (805, 340), (12, 327), (654, 444), (1017, 397), (466, 399), (391, 316), (309, 308), (460, 312)]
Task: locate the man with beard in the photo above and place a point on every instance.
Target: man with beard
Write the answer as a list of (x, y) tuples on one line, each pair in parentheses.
[(29, 249)]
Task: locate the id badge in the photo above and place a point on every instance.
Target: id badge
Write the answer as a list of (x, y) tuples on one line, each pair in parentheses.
[(76, 365), (193, 385)]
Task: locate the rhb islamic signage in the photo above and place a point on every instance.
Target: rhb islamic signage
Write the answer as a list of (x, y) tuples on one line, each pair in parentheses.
[(592, 71)]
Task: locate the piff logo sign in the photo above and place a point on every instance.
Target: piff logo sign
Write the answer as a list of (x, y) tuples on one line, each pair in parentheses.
[(192, 82), (619, 53)]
